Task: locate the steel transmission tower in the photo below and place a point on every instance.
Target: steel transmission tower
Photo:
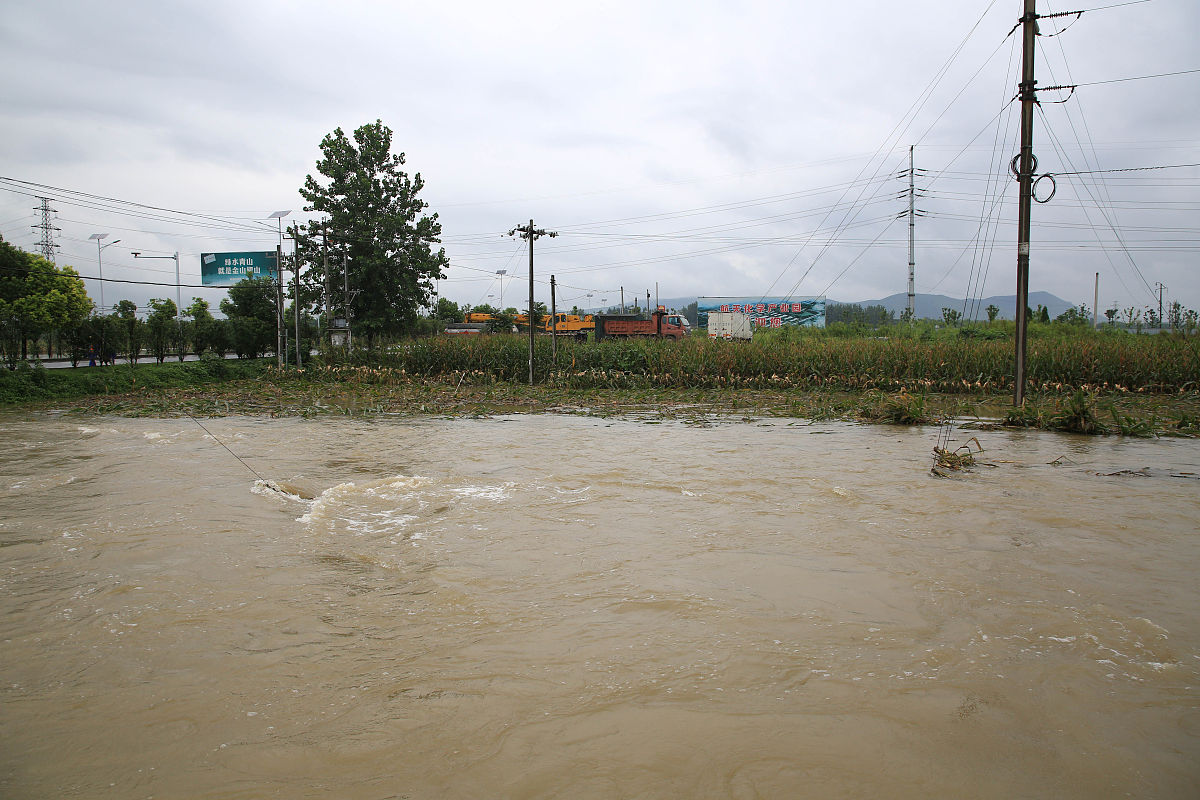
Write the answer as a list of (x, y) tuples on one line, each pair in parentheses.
[(46, 245)]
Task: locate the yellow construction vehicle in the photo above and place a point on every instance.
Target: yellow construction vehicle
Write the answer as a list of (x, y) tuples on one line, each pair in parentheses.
[(561, 324), (568, 325)]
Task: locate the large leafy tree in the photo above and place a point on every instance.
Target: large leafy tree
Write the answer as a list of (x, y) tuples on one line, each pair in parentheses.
[(250, 308), (36, 296), (161, 324), (376, 227), (447, 311), (204, 327), (134, 329)]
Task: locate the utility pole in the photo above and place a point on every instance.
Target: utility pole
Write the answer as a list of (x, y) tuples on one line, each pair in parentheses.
[(1028, 95), (325, 266), (912, 237), (531, 233), (280, 352), (1160, 294), (346, 300), (46, 245), (1096, 304), (279, 305), (553, 324), (296, 283), (178, 306), (622, 299)]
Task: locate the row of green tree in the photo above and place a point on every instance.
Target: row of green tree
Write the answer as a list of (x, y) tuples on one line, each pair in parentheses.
[(45, 309), (373, 261), (36, 298), (853, 315)]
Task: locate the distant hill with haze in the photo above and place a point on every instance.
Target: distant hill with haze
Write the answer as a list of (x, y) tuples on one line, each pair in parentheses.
[(929, 306)]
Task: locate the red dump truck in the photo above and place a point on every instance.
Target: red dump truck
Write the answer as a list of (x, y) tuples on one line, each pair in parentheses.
[(661, 325)]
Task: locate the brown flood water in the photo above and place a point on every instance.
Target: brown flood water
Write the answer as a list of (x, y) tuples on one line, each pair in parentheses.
[(558, 606)]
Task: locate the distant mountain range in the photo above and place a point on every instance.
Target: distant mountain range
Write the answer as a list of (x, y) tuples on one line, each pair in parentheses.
[(929, 306)]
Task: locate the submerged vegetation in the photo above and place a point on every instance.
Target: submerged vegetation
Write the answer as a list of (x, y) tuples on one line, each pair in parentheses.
[(947, 460), (1146, 385)]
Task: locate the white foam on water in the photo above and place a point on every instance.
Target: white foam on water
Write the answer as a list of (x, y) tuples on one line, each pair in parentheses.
[(397, 506), (357, 498), (42, 483), (501, 492), (272, 489)]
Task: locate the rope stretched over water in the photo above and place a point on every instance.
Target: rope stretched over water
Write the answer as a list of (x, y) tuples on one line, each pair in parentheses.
[(235, 455)]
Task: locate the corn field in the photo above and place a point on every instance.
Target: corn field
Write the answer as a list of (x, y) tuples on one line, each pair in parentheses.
[(1155, 364)]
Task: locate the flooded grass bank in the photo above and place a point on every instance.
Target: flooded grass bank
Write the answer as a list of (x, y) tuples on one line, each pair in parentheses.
[(369, 392)]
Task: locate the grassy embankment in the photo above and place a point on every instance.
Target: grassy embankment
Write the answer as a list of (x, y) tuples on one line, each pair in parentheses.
[(1138, 385)]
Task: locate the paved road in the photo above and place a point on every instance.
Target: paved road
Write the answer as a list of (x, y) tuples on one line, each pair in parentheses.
[(59, 363)]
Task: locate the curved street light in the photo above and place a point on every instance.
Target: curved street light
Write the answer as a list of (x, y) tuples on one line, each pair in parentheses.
[(99, 263), (178, 298), (279, 332)]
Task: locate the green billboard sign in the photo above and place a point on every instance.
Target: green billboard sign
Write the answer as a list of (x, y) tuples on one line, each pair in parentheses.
[(226, 269)]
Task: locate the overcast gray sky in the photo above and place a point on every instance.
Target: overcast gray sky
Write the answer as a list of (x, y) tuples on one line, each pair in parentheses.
[(705, 148)]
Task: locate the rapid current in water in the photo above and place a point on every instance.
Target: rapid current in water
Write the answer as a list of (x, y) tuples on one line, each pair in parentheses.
[(573, 607)]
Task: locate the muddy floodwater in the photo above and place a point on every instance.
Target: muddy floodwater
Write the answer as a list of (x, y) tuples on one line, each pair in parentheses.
[(566, 606)]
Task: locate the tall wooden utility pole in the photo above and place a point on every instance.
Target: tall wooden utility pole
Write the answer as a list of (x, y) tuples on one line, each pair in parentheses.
[(912, 237), (531, 233), (325, 266), (346, 299), (1027, 166), (553, 324)]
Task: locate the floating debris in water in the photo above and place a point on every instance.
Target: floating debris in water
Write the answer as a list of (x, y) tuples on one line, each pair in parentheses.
[(960, 458), (286, 489)]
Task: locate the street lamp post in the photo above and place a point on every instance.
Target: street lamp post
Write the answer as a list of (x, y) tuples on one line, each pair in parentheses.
[(178, 298), (278, 217), (99, 261)]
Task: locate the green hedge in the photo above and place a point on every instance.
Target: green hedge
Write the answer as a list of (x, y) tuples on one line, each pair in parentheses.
[(33, 383)]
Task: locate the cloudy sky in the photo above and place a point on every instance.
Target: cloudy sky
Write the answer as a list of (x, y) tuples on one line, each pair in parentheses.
[(696, 148)]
